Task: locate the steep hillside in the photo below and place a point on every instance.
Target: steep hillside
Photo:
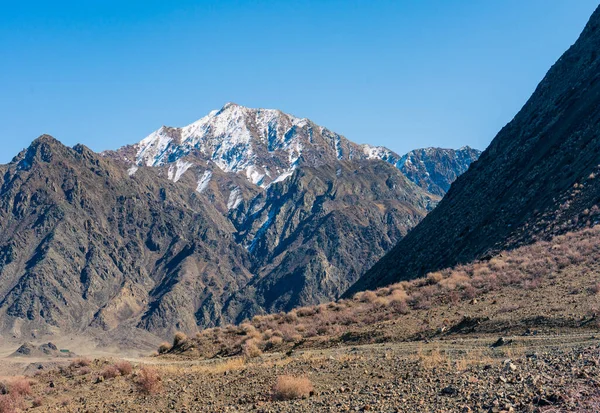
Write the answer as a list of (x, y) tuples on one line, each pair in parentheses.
[(537, 178)]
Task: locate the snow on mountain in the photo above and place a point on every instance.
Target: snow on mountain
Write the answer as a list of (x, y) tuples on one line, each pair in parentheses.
[(264, 145)]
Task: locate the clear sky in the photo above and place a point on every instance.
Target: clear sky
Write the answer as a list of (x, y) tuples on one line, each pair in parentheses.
[(401, 73)]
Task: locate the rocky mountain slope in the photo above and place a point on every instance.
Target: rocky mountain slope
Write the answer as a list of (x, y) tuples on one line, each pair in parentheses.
[(536, 179), (97, 243), (312, 235), (86, 246)]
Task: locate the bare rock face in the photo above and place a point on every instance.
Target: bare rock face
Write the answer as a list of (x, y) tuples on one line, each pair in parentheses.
[(537, 178)]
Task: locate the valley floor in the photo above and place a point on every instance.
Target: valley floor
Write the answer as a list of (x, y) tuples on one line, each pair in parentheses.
[(455, 374)]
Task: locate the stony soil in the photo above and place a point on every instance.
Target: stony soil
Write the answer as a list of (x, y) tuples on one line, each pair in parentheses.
[(527, 374)]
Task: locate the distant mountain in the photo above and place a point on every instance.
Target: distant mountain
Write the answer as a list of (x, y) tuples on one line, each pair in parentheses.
[(538, 178), (184, 230), (266, 146), (434, 169), (262, 144)]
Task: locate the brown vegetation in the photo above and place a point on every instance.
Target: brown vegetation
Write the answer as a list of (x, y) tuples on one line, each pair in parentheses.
[(525, 268), (149, 381), (289, 388), (124, 367), (110, 372)]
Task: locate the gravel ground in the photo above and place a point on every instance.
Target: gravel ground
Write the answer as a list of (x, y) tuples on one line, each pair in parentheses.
[(526, 374)]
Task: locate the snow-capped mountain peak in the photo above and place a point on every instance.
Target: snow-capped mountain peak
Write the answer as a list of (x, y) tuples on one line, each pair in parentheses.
[(264, 145)]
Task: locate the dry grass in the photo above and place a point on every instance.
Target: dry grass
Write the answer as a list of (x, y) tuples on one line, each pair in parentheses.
[(436, 358), (431, 359), (290, 388)]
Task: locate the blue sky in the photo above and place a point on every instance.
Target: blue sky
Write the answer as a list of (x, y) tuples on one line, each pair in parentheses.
[(403, 74)]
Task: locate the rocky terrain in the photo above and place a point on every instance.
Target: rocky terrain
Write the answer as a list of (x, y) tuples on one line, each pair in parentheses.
[(470, 376), (523, 337), (537, 178)]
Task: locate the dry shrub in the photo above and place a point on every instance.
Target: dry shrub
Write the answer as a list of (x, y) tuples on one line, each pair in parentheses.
[(532, 284), (164, 348), (110, 372), (290, 388), (124, 367), (481, 270), (368, 297), (247, 328), (20, 386), (274, 341), (179, 338), (291, 317), (290, 334), (305, 311), (400, 307), (84, 370), (10, 403), (80, 362), (497, 264), (149, 381), (458, 279), (434, 277), (595, 288), (398, 295), (381, 302), (250, 349)]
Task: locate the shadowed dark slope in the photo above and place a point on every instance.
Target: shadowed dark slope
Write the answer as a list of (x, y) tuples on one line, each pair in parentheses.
[(537, 177)]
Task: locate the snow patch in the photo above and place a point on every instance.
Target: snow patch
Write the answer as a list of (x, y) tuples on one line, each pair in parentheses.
[(235, 198), (182, 167), (204, 181), (284, 176), (131, 171), (254, 175)]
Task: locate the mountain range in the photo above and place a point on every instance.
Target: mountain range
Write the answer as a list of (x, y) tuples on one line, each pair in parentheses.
[(245, 211)]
